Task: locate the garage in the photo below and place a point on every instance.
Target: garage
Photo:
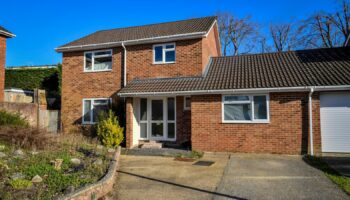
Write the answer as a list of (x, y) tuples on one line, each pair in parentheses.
[(335, 122)]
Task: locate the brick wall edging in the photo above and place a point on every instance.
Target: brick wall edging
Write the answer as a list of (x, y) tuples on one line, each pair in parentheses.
[(100, 188)]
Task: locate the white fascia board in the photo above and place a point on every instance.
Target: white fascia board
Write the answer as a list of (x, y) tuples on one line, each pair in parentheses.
[(240, 91), (133, 42)]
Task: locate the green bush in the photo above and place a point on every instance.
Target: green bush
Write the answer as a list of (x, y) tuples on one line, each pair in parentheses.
[(20, 184), (12, 119), (109, 131)]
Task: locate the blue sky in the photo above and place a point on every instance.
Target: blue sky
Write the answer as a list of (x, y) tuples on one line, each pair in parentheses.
[(41, 26)]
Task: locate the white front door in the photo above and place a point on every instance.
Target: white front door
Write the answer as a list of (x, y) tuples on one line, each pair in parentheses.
[(158, 119), (335, 122)]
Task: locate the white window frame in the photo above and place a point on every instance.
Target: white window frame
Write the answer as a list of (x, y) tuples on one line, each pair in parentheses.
[(164, 50), (251, 102), (93, 60), (165, 120), (109, 101), (185, 107)]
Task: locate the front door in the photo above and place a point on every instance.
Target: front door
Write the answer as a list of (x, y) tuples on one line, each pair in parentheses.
[(157, 119)]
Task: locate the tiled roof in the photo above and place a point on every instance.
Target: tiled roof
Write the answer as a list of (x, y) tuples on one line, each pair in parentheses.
[(5, 32), (316, 67), (190, 26)]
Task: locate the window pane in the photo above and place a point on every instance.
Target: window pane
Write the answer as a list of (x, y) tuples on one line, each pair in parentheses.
[(88, 61), (171, 109), (188, 102), (99, 110), (157, 109), (103, 63), (143, 130), (87, 110), (157, 129), (169, 46), (236, 98), (143, 115), (237, 112), (170, 56), (171, 130), (260, 108), (158, 54), (103, 53)]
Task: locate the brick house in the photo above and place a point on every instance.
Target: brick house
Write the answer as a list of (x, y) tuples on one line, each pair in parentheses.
[(177, 89), (4, 34)]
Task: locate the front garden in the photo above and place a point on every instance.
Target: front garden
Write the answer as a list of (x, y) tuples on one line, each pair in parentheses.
[(38, 165)]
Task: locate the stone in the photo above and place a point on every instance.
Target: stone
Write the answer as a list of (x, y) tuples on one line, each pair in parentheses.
[(69, 189), (98, 162), (17, 175), (34, 153), (75, 161), (19, 153), (111, 150), (2, 155), (37, 179)]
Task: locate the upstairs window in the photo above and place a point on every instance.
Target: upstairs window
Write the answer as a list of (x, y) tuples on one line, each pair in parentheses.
[(246, 109), (98, 61), (164, 53)]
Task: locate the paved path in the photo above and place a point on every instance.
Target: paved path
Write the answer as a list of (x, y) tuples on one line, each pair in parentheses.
[(242, 176)]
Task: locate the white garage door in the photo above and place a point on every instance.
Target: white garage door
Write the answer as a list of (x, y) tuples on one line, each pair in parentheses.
[(335, 122)]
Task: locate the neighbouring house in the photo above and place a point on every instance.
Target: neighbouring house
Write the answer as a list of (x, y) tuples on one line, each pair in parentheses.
[(4, 34), (178, 89)]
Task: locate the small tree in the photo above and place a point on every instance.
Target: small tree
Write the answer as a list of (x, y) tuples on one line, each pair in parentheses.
[(109, 131)]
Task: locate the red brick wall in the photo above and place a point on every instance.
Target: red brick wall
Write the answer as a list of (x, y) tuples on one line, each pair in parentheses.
[(77, 85), (188, 61), (129, 122), (210, 46), (286, 133), (2, 66)]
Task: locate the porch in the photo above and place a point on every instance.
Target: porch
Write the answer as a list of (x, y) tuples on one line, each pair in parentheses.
[(165, 120)]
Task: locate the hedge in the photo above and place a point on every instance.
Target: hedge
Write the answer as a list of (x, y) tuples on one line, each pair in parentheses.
[(30, 79)]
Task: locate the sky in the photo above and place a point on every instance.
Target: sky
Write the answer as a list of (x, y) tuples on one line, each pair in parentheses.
[(41, 26)]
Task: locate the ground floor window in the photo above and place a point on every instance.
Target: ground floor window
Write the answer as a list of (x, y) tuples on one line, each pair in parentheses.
[(245, 108), (158, 118), (92, 108)]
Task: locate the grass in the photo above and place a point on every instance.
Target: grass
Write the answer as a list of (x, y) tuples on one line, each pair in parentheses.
[(54, 181), (12, 119), (192, 155), (342, 181)]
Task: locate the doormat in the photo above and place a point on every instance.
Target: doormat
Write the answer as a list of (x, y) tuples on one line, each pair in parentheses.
[(204, 163)]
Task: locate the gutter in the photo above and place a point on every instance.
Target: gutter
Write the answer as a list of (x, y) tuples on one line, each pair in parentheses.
[(310, 122), (132, 42), (124, 82), (230, 91), (7, 34)]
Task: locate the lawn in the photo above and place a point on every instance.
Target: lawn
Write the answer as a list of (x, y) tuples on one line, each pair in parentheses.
[(342, 181), (82, 163)]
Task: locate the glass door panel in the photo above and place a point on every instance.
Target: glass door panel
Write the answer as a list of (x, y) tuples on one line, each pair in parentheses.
[(157, 119)]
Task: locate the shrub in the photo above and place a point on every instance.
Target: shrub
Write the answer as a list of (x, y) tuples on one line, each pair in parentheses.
[(12, 119), (20, 184), (23, 137), (109, 131)]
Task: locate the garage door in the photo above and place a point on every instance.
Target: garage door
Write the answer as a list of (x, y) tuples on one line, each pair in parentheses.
[(335, 122)]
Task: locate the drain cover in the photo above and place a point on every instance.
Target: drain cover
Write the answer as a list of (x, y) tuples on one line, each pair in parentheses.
[(204, 163)]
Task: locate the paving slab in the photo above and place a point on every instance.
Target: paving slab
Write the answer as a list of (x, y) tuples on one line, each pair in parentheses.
[(156, 177), (252, 176)]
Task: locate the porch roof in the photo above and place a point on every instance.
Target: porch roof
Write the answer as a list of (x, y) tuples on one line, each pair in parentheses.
[(304, 68)]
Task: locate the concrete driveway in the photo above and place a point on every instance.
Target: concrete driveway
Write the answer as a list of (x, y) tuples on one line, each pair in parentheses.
[(239, 176)]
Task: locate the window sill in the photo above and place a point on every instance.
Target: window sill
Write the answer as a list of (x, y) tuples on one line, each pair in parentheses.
[(88, 123), (165, 63), (245, 122), (107, 70)]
